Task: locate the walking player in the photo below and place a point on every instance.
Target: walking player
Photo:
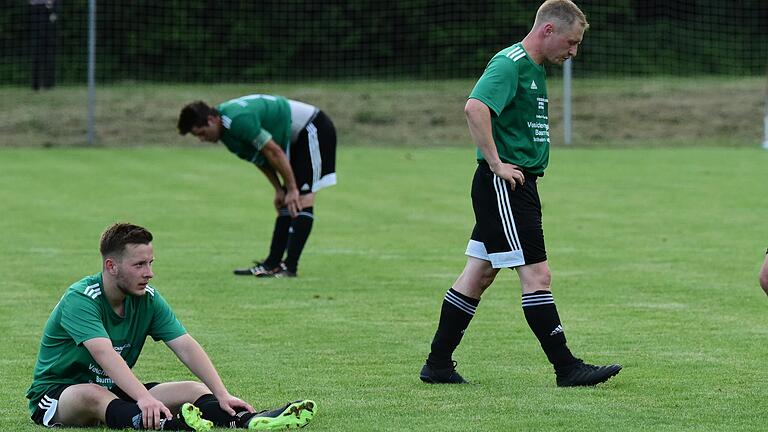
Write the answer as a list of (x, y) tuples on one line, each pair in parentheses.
[(287, 140), (94, 337), (508, 121)]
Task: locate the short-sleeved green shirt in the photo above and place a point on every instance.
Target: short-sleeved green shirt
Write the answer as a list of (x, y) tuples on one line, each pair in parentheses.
[(83, 313), (250, 121), (514, 87)]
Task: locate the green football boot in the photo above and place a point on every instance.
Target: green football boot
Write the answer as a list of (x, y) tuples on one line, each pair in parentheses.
[(193, 418), (293, 415)]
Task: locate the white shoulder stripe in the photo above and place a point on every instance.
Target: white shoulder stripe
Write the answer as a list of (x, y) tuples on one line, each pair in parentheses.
[(226, 121), (516, 53), (151, 290), (92, 291)]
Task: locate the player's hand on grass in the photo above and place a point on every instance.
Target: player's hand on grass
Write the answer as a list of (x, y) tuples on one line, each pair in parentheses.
[(233, 405), (152, 411), (292, 202), (511, 173)]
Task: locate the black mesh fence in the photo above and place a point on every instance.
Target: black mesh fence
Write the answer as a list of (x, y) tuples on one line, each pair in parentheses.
[(293, 40)]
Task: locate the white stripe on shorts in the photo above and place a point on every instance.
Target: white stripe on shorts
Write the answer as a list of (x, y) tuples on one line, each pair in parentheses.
[(505, 212), (49, 405), (314, 152)]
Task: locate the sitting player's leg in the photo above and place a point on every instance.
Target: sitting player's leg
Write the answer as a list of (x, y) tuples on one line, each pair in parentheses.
[(79, 405), (91, 404), (296, 414), (176, 394)]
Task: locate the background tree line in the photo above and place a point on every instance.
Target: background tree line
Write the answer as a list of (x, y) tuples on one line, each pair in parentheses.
[(241, 41)]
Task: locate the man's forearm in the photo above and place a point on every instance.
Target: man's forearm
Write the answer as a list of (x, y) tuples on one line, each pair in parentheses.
[(279, 163), (197, 361), (479, 122), (115, 367), (271, 176), (285, 171)]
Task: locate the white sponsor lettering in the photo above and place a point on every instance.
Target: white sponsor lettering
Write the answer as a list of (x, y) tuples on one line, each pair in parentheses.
[(120, 349)]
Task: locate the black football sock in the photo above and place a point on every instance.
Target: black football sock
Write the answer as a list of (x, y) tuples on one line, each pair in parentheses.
[(456, 313), (541, 314), (123, 414), (279, 239), (300, 229), (211, 410)]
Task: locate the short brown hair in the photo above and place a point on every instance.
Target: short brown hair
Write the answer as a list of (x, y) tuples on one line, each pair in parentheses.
[(564, 11), (194, 114), (115, 237)]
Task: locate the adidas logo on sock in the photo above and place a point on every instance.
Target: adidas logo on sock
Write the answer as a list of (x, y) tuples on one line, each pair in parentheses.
[(558, 329)]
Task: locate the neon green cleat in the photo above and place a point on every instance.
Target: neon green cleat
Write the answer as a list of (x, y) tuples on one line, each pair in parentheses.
[(193, 418), (292, 415)]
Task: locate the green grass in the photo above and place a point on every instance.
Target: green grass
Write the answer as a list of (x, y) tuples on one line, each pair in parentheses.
[(654, 254)]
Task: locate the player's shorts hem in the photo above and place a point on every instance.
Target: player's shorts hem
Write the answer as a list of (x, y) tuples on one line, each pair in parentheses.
[(514, 258), (47, 405), (324, 182)]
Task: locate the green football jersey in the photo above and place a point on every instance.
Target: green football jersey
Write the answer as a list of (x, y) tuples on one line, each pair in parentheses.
[(515, 89), (250, 121), (84, 313)]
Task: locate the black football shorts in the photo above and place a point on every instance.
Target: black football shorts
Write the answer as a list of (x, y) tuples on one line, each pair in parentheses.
[(508, 230), (313, 155)]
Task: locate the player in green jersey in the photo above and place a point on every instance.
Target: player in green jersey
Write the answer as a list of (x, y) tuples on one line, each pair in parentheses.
[(507, 114), (293, 144), (94, 337)]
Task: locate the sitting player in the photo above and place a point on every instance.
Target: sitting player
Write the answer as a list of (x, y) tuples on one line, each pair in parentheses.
[(94, 337)]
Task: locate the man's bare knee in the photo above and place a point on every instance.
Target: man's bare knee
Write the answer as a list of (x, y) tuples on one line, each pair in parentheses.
[(83, 405), (476, 277), (535, 277), (198, 388), (175, 394), (487, 278)]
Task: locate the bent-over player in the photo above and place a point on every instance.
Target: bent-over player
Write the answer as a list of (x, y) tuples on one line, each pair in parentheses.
[(293, 144)]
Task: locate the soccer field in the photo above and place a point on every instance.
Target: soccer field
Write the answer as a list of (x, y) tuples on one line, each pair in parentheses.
[(654, 254)]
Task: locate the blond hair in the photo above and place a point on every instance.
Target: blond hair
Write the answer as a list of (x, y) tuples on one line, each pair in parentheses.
[(562, 11)]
